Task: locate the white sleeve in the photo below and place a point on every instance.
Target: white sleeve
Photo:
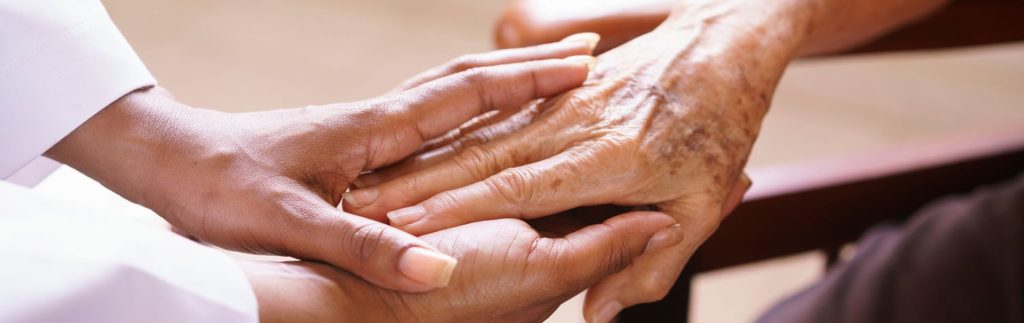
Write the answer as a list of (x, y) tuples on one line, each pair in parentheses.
[(67, 263), (61, 62)]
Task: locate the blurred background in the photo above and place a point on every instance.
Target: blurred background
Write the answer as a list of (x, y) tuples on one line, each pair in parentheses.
[(246, 55)]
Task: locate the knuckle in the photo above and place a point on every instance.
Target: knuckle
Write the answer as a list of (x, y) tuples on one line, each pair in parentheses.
[(373, 113), (579, 102), (407, 185), (652, 288), (365, 242), (618, 258), (477, 161), (476, 79), (563, 281), (450, 199), (475, 75), (619, 144), (462, 63), (514, 186)]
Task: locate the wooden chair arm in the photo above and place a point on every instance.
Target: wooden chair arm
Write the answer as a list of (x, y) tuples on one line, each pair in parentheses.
[(826, 204)]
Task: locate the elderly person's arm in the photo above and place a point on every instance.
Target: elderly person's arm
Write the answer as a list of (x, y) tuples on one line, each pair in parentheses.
[(667, 120)]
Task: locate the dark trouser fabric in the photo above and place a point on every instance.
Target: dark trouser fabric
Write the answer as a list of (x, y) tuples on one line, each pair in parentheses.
[(957, 260)]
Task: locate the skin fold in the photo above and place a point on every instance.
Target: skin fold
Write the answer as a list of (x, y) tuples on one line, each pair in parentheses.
[(270, 182), (666, 120)]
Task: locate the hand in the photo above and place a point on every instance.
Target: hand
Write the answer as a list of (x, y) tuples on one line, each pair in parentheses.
[(508, 272), (666, 120), (270, 181)]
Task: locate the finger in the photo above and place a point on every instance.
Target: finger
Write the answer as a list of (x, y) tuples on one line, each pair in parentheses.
[(433, 151), (534, 190), (599, 250), (653, 274), (577, 44), (380, 254), (648, 279), (473, 164), (414, 116), (493, 126)]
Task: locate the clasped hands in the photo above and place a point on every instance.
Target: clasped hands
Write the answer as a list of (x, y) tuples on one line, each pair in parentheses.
[(521, 149)]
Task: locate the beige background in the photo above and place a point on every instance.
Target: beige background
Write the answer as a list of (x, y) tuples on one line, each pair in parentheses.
[(242, 55)]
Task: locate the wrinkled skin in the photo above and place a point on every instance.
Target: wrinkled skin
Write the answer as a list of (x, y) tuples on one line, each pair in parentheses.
[(509, 271), (666, 120), (270, 181)]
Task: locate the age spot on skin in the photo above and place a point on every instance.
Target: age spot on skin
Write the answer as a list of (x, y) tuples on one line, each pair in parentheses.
[(695, 138), (711, 160), (556, 183)]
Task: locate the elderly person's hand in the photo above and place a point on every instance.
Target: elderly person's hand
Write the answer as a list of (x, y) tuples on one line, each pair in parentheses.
[(271, 181), (666, 120), (508, 272)]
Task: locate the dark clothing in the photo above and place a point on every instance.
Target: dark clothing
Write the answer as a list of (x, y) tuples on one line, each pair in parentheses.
[(957, 260)]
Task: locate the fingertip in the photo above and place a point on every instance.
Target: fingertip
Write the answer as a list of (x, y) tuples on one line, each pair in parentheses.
[(590, 39), (427, 266), (585, 60), (665, 238), (651, 220)]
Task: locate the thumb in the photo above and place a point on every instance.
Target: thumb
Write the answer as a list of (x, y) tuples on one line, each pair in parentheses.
[(603, 249), (380, 254)]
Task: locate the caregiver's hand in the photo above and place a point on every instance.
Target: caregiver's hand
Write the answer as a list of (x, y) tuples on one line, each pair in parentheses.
[(666, 120), (508, 272), (270, 181)]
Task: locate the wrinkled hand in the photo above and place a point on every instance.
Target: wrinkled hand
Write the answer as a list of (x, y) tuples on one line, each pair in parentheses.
[(666, 120), (270, 181), (508, 272)]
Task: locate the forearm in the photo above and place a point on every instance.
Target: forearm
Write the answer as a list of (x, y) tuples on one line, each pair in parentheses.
[(749, 43), (830, 25)]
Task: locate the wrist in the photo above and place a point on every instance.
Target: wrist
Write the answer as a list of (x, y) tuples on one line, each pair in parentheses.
[(308, 292), (743, 45), (769, 32), (124, 145)]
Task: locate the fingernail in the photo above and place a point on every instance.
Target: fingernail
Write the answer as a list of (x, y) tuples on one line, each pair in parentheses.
[(361, 198), (427, 266), (607, 312), (590, 61), (407, 215), (747, 183), (360, 182), (591, 39), (665, 238)]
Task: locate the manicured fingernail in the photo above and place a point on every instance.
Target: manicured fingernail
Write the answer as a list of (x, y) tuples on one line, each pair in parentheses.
[(590, 61), (665, 238), (591, 39), (407, 215), (427, 266), (607, 312), (361, 198)]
